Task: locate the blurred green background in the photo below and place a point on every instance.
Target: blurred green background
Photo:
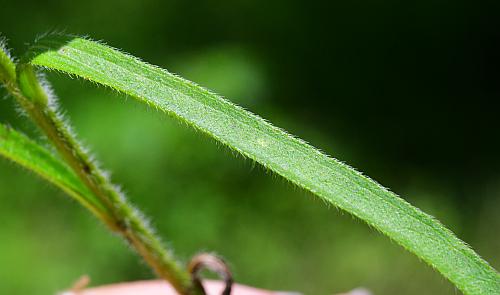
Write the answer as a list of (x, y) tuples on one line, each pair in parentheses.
[(403, 91)]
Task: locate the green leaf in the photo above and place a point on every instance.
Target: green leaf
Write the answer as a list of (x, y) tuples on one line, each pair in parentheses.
[(278, 151), (7, 67), (21, 150)]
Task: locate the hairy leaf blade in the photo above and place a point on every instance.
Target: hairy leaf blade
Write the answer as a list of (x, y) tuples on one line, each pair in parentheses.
[(290, 157), (25, 152)]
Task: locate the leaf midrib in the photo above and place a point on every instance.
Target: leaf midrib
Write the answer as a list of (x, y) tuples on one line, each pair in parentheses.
[(300, 143)]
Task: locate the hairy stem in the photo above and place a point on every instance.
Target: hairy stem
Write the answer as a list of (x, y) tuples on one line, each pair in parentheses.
[(117, 214)]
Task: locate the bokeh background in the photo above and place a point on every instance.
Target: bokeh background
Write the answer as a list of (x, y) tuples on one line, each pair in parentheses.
[(404, 91)]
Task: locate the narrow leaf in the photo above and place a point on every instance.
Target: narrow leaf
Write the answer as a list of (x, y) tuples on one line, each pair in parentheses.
[(21, 150), (278, 151)]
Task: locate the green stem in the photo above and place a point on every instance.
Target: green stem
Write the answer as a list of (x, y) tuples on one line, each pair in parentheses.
[(118, 215)]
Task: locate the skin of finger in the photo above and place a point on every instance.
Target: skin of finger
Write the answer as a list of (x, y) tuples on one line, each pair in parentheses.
[(158, 287)]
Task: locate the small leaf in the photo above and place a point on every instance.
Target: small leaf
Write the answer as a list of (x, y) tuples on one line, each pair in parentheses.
[(7, 67), (278, 151), (30, 87)]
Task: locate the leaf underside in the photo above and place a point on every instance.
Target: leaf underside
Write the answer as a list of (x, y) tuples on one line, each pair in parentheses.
[(276, 150)]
